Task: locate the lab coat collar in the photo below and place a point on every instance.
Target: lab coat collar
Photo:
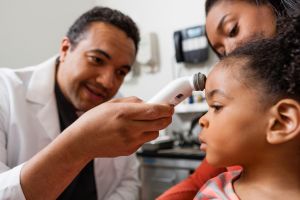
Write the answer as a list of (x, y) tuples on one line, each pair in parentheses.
[(41, 91), (41, 85)]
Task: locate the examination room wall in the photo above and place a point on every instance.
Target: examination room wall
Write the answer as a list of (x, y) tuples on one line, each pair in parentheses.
[(161, 17), (31, 30)]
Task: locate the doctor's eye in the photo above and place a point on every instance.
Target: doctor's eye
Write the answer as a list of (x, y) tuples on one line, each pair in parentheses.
[(122, 72), (96, 60), (233, 32)]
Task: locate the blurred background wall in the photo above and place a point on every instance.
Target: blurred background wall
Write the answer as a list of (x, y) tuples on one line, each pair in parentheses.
[(31, 31)]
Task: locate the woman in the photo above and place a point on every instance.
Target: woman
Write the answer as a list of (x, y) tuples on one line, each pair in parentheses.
[(229, 24)]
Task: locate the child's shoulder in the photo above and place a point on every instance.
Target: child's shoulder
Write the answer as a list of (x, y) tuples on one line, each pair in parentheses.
[(220, 187)]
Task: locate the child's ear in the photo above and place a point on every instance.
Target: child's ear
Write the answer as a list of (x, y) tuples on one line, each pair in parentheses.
[(284, 123)]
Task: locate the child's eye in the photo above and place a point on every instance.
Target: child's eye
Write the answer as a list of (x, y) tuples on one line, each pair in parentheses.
[(216, 108)]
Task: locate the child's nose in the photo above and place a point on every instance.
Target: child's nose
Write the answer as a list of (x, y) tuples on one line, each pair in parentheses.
[(203, 122)]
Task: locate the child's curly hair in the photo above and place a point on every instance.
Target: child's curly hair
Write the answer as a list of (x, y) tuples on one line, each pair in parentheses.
[(274, 63)]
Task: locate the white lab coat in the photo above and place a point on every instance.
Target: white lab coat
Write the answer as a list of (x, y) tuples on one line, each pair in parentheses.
[(29, 121)]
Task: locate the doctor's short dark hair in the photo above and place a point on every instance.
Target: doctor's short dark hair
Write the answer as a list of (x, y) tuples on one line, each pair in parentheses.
[(272, 65), (107, 15)]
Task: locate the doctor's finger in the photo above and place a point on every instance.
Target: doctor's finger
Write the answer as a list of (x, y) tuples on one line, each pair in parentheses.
[(144, 111), (150, 126), (131, 99), (147, 137)]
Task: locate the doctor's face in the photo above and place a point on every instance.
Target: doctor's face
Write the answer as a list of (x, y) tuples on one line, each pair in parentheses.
[(93, 71), (230, 24), (233, 129)]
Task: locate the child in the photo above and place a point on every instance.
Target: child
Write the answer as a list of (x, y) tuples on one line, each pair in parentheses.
[(243, 21), (254, 120)]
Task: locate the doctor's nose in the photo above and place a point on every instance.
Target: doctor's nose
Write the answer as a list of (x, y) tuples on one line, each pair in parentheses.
[(106, 79)]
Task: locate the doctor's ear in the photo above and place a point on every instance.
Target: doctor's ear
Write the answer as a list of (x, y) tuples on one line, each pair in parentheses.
[(284, 123), (64, 48)]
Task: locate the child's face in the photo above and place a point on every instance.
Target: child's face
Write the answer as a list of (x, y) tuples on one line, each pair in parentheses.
[(234, 126)]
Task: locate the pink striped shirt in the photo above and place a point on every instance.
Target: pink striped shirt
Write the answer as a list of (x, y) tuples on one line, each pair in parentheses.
[(220, 187)]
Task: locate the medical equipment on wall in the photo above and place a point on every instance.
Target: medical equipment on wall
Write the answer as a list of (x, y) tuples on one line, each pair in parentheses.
[(191, 45), (147, 56)]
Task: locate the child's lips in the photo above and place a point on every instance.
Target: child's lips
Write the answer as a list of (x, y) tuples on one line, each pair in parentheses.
[(203, 146)]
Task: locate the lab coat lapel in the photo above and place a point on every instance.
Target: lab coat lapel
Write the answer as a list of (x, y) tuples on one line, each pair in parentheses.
[(41, 92)]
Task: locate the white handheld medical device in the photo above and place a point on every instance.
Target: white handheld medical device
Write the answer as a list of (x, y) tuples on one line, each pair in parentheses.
[(179, 89)]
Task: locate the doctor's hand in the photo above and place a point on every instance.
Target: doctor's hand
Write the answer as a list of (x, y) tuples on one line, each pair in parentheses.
[(115, 128), (119, 127)]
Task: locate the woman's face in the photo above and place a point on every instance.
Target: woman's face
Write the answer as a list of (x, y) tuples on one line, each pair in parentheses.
[(232, 23)]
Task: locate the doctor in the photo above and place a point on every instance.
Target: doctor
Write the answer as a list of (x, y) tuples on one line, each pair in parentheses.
[(46, 150)]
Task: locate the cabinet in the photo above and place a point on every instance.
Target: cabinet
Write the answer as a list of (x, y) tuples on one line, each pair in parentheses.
[(161, 170)]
